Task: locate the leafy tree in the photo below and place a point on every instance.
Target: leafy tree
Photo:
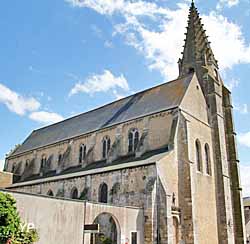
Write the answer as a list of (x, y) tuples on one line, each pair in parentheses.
[(10, 223)]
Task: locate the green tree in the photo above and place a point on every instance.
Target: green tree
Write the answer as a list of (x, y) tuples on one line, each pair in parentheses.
[(10, 223)]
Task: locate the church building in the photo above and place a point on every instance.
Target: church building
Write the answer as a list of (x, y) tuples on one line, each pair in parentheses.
[(169, 150)]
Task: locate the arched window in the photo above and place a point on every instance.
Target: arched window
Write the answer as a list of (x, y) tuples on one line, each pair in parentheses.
[(208, 160), (105, 146), (133, 140), (50, 193), (103, 193), (27, 163), (43, 161), (13, 167), (198, 155), (82, 153), (60, 157), (74, 193)]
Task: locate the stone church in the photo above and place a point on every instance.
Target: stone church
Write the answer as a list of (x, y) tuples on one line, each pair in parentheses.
[(170, 150)]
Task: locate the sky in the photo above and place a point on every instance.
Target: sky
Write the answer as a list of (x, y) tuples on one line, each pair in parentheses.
[(63, 57)]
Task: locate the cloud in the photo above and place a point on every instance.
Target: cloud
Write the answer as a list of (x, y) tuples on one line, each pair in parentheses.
[(17, 103), (108, 44), (45, 117), (227, 3), (241, 108), (152, 31), (233, 83), (101, 83), (244, 139), (2, 161), (245, 172)]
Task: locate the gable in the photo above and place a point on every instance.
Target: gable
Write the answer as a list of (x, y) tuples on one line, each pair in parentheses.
[(194, 102)]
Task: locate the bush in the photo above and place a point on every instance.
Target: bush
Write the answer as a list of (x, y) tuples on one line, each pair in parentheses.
[(10, 223)]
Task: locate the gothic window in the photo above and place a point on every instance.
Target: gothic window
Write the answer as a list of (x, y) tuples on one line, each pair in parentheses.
[(43, 161), (82, 153), (60, 157), (208, 160), (198, 155), (133, 140), (27, 163), (105, 146), (74, 193), (103, 193), (50, 193), (13, 167)]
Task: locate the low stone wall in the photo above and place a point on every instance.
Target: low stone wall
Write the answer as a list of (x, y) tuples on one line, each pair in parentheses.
[(61, 221), (6, 179)]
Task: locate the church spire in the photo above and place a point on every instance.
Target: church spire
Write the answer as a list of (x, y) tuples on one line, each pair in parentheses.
[(197, 50)]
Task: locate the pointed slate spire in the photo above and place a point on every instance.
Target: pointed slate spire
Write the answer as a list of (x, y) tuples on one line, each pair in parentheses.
[(197, 50)]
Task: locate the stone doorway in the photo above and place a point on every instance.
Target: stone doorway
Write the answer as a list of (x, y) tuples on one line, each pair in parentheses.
[(109, 230)]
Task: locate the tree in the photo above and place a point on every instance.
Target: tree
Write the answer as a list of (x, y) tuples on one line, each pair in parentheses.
[(10, 223)]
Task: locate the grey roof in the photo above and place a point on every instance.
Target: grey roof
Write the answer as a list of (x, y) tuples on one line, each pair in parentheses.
[(156, 99)]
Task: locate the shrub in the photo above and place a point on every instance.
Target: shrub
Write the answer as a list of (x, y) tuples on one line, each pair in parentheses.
[(10, 223)]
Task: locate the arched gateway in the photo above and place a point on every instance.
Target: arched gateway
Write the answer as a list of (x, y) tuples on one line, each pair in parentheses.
[(109, 230)]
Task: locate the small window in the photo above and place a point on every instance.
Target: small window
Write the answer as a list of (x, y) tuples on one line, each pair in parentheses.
[(74, 193), (82, 153), (106, 146), (27, 163), (208, 160), (133, 237), (60, 157), (133, 140), (198, 155), (103, 193), (43, 161), (13, 167), (50, 193)]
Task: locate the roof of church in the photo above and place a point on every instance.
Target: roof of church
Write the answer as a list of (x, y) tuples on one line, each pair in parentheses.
[(160, 98)]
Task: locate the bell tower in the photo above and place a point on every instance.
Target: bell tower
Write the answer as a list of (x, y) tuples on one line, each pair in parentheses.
[(198, 57)]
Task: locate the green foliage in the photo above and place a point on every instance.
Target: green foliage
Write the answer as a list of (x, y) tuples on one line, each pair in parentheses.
[(10, 223), (9, 218), (106, 240)]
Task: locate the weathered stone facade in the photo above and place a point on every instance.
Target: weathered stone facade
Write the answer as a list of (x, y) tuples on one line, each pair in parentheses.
[(170, 150)]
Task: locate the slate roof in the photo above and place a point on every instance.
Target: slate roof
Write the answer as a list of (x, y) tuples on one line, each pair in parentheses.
[(156, 99)]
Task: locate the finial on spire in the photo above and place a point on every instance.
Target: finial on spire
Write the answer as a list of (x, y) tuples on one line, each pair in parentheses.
[(192, 4)]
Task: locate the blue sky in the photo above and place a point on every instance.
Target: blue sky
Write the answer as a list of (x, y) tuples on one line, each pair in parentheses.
[(60, 58)]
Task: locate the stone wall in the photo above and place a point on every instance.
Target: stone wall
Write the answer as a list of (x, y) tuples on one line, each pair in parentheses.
[(155, 131), (6, 179), (126, 187)]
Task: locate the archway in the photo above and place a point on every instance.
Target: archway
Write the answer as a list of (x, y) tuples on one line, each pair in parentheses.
[(109, 230)]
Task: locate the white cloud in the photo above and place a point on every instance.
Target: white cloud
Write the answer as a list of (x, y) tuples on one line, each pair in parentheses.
[(244, 139), (108, 44), (45, 117), (17, 103), (227, 3), (233, 83), (2, 161), (241, 108), (101, 83), (161, 44), (245, 172)]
